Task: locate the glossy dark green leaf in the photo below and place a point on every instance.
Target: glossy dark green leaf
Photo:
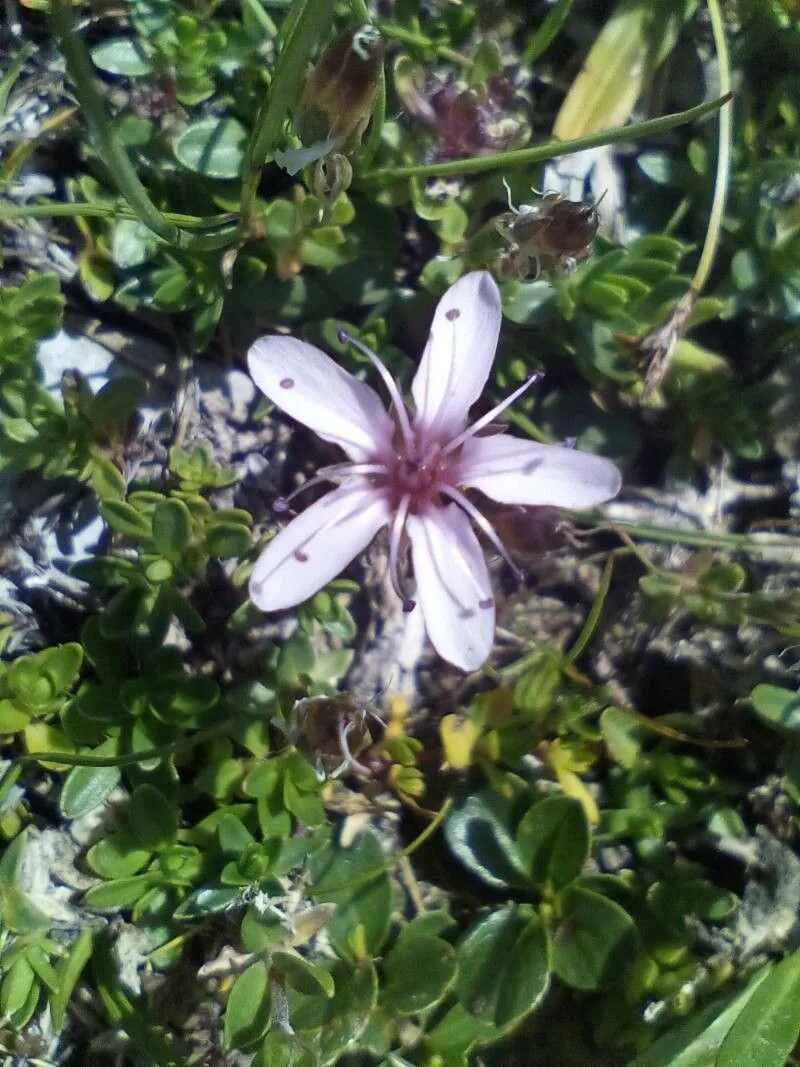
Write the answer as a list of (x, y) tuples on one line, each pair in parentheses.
[(213, 147), (504, 966), (594, 942), (417, 972), (480, 830), (153, 819), (776, 706), (553, 839), (248, 1009), (356, 881)]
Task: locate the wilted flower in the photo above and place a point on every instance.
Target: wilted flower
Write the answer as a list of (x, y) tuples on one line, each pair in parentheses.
[(468, 122), (336, 102), (408, 471), (556, 233)]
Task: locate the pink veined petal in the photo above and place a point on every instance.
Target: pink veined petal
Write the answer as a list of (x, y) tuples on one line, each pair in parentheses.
[(458, 357), (310, 387), (513, 471), (453, 588), (317, 545)]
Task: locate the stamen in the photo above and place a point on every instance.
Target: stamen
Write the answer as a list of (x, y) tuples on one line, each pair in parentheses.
[(398, 525), (391, 385), (344, 470), (484, 420), (328, 474), (484, 526)]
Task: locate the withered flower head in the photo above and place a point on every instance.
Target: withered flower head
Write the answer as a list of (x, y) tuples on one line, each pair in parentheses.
[(555, 233), (336, 102), (468, 122)]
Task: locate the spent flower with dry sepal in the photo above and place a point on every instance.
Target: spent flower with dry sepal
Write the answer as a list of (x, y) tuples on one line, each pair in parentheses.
[(408, 472)]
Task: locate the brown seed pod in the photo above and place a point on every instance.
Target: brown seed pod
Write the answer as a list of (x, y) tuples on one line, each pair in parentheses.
[(555, 233)]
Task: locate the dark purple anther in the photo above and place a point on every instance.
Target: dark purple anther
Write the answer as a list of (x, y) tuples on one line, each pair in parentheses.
[(344, 337)]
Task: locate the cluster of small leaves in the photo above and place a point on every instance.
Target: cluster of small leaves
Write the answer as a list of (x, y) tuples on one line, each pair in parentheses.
[(74, 434), (713, 592)]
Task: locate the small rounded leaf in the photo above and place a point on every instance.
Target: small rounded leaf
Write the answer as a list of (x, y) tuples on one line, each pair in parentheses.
[(504, 966), (213, 147), (172, 525), (248, 1010), (594, 942)]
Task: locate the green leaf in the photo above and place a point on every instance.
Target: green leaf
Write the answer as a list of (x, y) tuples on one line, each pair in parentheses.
[(777, 707), (767, 1029), (553, 839), (172, 526), (118, 895), (418, 971), (595, 940), (207, 901), (117, 856), (356, 881), (480, 830), (694, 1042), (302, 975), (85, 788), (336, 1021), (61, 664), (228, 540), (214, 147), (122, 55), (247, 1012), (18, 981), (153, 820), (621, 735), (124, 518), (68, 971), (105, 478), (504, 966)]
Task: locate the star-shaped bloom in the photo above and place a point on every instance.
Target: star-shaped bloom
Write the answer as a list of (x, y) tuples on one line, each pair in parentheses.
[(408, 472)]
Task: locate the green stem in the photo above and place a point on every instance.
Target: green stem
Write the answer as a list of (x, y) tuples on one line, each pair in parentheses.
[(309, 20), (110, 148), (66, 759), (592, 619), (262, 18), (523, 157), (53, 210), (419, 40), (723, 153), (547, 32), (692, 538)]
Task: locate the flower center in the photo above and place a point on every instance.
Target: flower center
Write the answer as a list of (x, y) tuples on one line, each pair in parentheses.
[(418, 478)]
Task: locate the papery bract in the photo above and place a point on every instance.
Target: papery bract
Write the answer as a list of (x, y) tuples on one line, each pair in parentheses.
[(408, 472)]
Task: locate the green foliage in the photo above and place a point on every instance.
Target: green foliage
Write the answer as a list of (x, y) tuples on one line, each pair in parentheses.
[(542, 884)]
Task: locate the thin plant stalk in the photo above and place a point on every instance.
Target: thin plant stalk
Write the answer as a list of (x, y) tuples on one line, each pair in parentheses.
[(524, 157)]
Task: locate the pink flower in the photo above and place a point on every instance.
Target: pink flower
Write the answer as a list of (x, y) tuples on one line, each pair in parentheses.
[(407, 472)]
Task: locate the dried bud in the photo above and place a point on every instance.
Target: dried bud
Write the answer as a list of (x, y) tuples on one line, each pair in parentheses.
[(556, 233), (336, 103)]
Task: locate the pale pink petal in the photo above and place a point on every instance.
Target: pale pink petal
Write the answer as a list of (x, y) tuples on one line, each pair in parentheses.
[(453, 588), (513, 471), (317, 545), (459, 354), (309, 386)]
